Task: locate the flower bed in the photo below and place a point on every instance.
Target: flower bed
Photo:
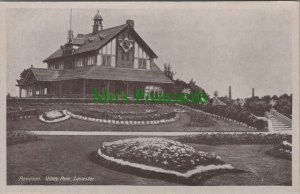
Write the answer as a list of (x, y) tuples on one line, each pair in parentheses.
[(284, 151), (54, 116), (179, 110), (200, 120), (146, 112), (161, 156), (14, 137), (236, 138), (109, 118), (232, 113)]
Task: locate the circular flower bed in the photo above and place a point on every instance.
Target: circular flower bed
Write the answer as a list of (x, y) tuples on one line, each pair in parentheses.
[(162, 156), (54, 116)]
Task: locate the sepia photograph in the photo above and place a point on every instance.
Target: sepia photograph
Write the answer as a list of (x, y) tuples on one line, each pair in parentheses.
[(152, 96)]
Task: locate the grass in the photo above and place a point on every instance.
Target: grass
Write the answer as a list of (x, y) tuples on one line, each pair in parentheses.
[(68, 156), (216, 124), (200, 120)]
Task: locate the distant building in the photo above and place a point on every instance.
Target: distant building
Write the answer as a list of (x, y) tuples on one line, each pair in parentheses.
[(115, 59)]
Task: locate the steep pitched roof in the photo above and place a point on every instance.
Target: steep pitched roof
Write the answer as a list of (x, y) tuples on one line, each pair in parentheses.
[(91, 42), (98, 40)]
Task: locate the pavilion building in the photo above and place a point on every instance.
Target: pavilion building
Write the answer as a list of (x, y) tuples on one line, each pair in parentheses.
[(114, 59)]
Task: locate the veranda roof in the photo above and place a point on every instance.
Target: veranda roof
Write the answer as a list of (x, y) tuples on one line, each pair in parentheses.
[(102, 73)]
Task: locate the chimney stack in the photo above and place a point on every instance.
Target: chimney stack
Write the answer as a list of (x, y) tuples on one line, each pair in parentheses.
[(230, 92), (130, 23), (253, 92)]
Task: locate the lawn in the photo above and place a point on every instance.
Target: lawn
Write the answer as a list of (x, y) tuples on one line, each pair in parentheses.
[(189, 121), (68, 156)]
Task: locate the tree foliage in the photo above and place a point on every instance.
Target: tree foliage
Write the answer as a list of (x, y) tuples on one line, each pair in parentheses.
[(23, 75), (168, 71)]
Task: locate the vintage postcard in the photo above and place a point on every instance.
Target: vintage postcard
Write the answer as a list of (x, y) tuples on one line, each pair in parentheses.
[(150, 97)]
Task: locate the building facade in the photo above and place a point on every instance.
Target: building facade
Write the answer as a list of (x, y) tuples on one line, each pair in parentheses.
[(113, 59)]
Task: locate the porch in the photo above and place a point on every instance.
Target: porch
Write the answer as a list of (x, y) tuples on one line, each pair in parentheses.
[(83, 88)]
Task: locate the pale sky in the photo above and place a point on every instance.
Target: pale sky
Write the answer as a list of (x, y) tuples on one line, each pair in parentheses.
[(217, 48)]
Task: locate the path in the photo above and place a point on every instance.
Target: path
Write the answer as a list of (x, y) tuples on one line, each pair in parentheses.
[(124, 133), (279, 122)]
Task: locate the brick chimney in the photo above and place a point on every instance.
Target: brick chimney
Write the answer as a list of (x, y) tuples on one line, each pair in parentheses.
[(130, 23)]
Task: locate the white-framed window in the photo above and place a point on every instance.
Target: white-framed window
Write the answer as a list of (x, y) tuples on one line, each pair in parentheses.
[(79, 62), (142, 63), (106, 60)]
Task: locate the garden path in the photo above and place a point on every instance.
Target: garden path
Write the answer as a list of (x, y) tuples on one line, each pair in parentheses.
[(125, 133)]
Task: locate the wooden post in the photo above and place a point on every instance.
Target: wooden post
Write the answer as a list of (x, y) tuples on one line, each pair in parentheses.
[(33, 90), (84, 88), (127, 90), (70, 87), (108, 87), (20, 92), (59, 93)]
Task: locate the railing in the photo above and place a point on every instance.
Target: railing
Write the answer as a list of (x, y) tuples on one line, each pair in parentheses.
[(280, 115)]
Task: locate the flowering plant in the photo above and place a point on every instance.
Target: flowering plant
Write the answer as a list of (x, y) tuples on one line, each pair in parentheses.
[(160, 155), (54, 116)]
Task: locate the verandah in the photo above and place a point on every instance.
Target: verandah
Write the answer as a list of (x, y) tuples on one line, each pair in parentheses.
[(83, 88)]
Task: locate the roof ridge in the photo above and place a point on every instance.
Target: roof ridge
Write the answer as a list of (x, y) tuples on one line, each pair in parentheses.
[(104, 30), (46, 69)]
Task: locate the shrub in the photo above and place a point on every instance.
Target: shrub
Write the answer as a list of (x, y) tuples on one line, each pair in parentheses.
[(233, 112), (14, 137), (282, 151), (236, 138)]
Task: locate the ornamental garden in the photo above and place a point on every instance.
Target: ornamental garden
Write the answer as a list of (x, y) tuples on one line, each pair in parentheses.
[(211, 147)]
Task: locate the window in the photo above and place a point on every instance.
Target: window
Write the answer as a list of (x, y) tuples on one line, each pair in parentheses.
[(79, 62), (90, 60), (106, 60), (142, 63)]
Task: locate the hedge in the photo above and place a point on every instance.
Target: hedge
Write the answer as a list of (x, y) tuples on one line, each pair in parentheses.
[(236, 138), (233, 112)]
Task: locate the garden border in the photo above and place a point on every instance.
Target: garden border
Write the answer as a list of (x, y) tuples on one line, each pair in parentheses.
[(210, 114), (117, 122)]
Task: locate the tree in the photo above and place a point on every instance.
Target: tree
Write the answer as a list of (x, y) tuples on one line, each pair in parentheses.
[(168, 71), (275, 97), (23, 75), (266, 98), (216, 93)]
